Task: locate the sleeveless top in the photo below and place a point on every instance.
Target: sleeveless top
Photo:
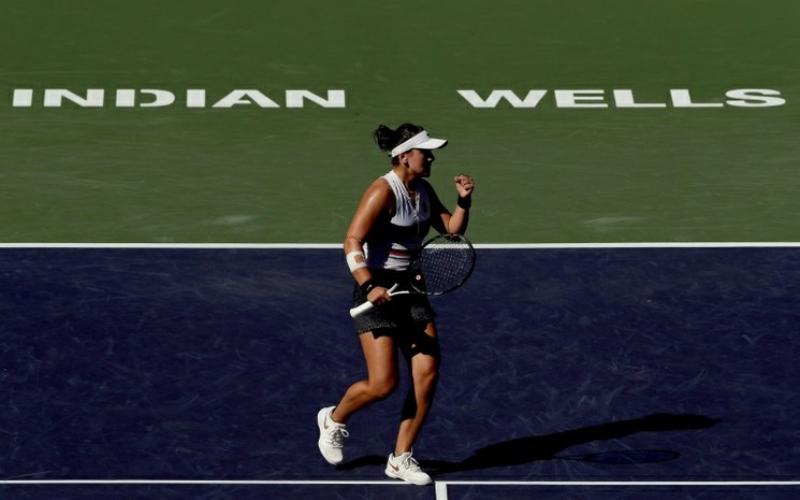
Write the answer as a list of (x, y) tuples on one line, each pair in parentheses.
[(393, 243)]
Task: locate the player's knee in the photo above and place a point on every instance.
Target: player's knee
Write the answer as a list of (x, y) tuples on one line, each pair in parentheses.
[(422, 343), (381, 388)]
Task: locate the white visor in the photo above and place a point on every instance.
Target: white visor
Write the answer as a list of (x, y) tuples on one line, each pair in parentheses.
[(419, 141)]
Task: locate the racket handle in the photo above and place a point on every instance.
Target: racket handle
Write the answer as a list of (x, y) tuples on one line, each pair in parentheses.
[(359, 310), (366, 306)]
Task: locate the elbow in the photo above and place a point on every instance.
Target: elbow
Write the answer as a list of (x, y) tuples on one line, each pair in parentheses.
[(352, 242)]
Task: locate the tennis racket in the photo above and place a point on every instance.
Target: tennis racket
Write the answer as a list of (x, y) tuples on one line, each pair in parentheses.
[(444, 263)]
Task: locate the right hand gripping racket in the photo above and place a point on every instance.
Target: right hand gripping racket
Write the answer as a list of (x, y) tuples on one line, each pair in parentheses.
[(445, 262)]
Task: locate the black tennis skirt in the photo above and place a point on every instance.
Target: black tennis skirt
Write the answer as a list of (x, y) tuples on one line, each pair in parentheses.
[(401, 312)]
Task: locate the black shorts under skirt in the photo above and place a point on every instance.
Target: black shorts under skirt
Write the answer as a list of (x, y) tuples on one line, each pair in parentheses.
[(402, 312)]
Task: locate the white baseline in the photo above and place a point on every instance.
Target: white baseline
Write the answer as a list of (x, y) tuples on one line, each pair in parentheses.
[(338, 246)]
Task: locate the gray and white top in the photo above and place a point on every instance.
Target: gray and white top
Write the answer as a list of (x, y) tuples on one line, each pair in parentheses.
[(393, 244)]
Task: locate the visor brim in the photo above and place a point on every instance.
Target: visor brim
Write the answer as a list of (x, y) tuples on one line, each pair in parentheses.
[(432, 143)]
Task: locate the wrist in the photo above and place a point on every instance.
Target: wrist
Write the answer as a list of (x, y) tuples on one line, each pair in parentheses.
[(367, 286), (464, 202)]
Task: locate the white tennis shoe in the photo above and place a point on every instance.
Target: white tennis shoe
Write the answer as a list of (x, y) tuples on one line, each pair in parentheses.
[(405, 467), (331, 436)]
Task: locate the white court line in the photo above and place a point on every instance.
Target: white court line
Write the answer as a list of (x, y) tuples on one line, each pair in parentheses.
[(323, 482), (338, 246), (440, 487), (623, 483), (196, 482)]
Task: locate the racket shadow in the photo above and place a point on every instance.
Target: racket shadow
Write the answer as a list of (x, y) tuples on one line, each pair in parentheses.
[(530, 449)]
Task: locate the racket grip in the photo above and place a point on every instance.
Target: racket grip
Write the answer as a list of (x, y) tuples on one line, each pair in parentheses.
[(359, 310), (366, 306)]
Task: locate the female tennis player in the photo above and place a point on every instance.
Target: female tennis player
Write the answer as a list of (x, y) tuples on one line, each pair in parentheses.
[(389, 225)]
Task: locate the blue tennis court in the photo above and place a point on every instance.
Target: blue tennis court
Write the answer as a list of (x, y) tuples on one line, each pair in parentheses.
[(560, 365)]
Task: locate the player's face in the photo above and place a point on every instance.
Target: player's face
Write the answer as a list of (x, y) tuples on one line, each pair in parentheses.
[(420, 161)]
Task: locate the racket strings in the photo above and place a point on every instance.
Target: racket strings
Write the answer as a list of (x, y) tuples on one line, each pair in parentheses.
[(446, 263)]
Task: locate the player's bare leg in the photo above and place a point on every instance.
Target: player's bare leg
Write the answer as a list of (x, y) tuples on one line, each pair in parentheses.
[(381, 381), (381, 377), (424, 369)]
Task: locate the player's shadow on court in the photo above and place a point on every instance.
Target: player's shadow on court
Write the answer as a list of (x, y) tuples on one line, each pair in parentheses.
[(533, 448)]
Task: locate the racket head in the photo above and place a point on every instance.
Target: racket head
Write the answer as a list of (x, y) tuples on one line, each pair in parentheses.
[(445, 262)]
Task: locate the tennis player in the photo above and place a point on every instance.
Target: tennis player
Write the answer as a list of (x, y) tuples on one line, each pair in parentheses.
[(389, 225)]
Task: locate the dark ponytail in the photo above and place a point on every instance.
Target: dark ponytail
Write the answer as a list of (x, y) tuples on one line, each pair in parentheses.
[(387, 138)]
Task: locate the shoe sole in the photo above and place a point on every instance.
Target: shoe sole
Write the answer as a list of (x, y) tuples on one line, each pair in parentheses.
[(320, 425)]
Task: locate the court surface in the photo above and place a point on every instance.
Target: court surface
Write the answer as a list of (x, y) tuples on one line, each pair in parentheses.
[(560, 365), (174, 299)]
